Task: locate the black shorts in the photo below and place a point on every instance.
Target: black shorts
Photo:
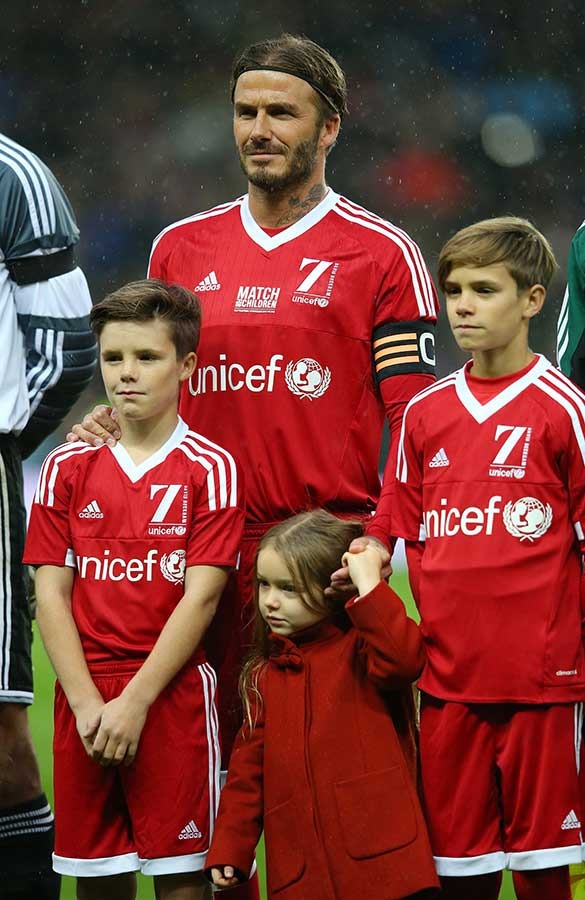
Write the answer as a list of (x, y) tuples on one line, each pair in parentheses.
[(16, 684)]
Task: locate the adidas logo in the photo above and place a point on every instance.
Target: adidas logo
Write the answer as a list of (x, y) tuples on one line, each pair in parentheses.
[(209, 283), (570, 821), (190, 832), (91, 511), (439, 459)]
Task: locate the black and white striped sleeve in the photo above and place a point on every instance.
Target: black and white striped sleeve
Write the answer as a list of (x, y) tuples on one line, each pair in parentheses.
[(38, 233)]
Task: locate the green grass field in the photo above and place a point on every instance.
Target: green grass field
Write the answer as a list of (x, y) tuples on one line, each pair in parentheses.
[(42, 727)]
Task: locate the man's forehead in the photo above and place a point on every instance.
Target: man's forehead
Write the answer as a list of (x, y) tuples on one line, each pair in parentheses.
[(268, 86)]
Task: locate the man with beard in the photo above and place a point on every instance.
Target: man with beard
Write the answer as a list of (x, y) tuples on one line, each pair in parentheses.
[(317, 320)]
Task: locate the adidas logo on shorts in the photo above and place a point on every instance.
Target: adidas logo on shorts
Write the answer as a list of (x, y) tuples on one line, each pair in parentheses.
[(439, 459), (209, 283), (91, 511), (190, 832), (570, 821)]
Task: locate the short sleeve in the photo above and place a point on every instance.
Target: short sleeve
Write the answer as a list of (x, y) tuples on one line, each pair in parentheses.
[(218, 513), (48, 539), (406, 515)]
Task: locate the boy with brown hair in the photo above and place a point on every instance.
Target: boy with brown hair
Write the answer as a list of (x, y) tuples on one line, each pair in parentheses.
[(491, 500), (134, 544)]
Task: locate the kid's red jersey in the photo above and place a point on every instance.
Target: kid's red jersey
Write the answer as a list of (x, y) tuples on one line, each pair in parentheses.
[(129, 531), (497, 491), (302, 330)]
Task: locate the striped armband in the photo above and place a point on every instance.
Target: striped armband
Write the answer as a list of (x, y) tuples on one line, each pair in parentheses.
[(401, 348)]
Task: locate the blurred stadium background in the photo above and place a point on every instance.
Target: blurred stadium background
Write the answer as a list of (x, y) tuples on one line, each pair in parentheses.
[(458, 110)]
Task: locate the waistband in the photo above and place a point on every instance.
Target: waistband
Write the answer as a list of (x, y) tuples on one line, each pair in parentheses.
[(255, 530), (109, 667)]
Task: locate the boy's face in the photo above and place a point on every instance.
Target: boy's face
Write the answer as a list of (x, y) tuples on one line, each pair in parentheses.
[(485, 309), (140, 369)]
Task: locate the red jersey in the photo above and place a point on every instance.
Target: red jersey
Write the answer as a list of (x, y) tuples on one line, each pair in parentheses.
[(286, 372), (497, 491), (130, 531)]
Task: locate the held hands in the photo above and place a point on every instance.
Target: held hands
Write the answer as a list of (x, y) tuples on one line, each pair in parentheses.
[(118, 734), (87, 720), (366, 562), (225, 877), (98, 427)]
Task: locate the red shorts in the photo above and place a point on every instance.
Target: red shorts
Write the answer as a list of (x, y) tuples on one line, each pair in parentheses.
[(230, 637), (155, 815), (501, 785)]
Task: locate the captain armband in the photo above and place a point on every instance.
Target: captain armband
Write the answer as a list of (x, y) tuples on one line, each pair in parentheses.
[(32, 269), (403, 348)]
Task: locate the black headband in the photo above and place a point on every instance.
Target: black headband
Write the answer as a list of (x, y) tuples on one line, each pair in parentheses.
[(316, 87)]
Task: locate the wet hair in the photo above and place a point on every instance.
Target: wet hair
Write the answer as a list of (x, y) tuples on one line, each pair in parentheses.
[(142, 301), (311, 545), (299, 56), (509, 240)]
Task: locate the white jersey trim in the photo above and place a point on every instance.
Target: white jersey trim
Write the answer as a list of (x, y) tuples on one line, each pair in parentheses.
[(207, 214), (413, 257), (45, 491), (105, 865), (217, 462), (268, 242), (481, 412), (209, 681), (483, 864), (563, 391), (401, 461), (136, 471), (173, 865), (548, 858)]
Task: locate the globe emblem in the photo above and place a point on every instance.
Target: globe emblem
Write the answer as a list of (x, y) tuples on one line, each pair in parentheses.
[(307, 378), (307, 374), (527, 518), (172, 566)]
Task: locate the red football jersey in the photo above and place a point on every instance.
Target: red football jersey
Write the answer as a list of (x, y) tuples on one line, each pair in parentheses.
[(130, 530), (286, 372), (497, 491)]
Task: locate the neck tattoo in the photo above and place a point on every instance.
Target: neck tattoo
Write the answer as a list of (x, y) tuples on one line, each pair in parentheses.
[(300, 206)]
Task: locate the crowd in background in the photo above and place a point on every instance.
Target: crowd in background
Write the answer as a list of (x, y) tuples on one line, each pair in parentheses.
[(456, 113)]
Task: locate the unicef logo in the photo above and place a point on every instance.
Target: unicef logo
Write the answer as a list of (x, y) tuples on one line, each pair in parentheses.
[(307, 378), (172, 566), (527, 518)]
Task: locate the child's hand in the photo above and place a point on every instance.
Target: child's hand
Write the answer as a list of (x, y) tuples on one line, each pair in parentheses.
[(87, 720), (365, 567), (225, 877), (120, 727), (341, 580)]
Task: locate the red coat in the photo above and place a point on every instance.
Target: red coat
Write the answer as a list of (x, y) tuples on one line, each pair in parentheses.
[(324, 771)]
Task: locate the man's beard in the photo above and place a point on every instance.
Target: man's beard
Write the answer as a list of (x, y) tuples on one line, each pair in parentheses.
[(301, 165)]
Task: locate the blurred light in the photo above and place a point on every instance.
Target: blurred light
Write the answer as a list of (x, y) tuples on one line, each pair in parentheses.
[(509, 140)]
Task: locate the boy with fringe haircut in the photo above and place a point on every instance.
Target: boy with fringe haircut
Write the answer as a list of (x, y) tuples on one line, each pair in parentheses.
[(491, 500)]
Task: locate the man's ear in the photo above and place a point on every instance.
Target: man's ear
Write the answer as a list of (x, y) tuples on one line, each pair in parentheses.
[(329, 132)]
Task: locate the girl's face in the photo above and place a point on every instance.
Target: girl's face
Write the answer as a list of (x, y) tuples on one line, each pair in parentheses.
[(281, 606)]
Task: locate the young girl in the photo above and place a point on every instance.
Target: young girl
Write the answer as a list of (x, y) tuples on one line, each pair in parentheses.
[(324, 762)]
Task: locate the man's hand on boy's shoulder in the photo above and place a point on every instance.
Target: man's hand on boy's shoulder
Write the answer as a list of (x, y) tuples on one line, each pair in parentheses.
[(117, 737), (98, 427)]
